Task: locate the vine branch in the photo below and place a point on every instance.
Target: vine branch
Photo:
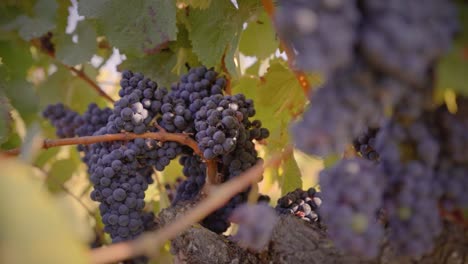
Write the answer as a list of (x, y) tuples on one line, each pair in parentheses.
[(301, 77), (163, 136), (149, 243), (181, 138)]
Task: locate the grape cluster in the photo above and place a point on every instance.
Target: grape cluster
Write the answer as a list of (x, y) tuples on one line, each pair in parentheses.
[(222, 121), (65, 121), (306, 26), (118, 178), (93, 119), (365, 144), (453, 182), (303, 204), (195, 170), (121, 171), (352, 192), (411, 207), (252, 233), (389, 38), (243, 157), (223, 131), (407, 37), (452, 167), (340, 111), (386, 82), (131, 112), (120, 182), (197, 84), (397, 143), (69, 123)]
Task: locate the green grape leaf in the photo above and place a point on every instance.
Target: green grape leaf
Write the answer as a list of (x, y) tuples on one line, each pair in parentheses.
[(254, 69), (259, 38), (158, 67), (72, 53), (62, 16), (452, 69), (7, 15), (42, 22), (183, 48), (166, 66), (202, 4), (278, 97), (216, 29), (16, 61), (142, 27), (60, 172), (45, 156), (6, 120), (25, 206), (290, 176)]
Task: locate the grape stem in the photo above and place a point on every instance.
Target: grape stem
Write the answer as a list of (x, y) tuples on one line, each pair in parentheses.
[(149, 244), (300, 75)]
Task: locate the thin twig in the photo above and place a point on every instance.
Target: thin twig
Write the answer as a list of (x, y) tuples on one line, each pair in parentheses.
[(149, 243), (82, 75), (300, 75), (183, 139), (79, 74)]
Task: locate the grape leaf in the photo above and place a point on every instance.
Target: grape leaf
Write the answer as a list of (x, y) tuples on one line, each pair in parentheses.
[(48, 238), (216, 29), (158, 67), (45, 155), (166, 66), (17, 60), (142, 27), (277, 98), (259, 38), (290, 176), (61, 172), (452, 69), (42, 22), (5, 119), (72, 53)]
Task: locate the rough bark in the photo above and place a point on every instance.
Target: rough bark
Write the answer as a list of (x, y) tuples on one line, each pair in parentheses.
[(296, 241)]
